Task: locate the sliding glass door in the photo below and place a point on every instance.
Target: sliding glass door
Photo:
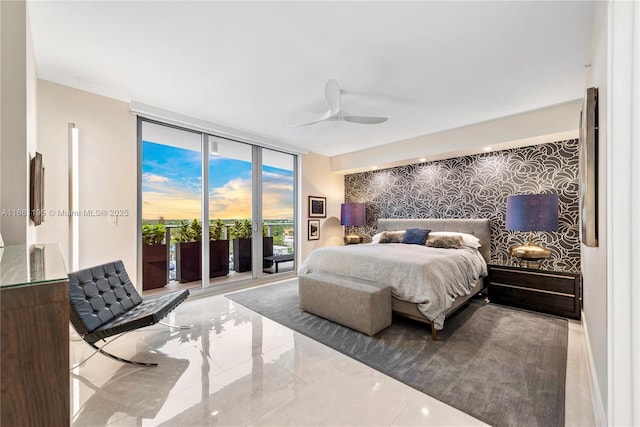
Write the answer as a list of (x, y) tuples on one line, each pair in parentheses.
[(278, 210), (171, 206), (241, 228), (230, 209)]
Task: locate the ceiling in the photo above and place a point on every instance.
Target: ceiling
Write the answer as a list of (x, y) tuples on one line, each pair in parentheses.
[(258, 66)]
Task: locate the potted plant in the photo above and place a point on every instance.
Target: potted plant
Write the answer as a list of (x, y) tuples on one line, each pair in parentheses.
[(242, 232), (188, 248), (154, 257), (218, 250)]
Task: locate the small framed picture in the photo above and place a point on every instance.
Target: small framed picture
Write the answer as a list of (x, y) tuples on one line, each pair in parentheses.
[(317, 207), (313, 232)]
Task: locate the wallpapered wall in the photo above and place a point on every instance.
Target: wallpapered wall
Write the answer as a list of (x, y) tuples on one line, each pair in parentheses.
[(477, 187)]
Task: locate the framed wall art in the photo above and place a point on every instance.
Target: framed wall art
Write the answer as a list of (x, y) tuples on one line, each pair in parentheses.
[(588, 142), (313, 232), (36, 190), (317, 207)]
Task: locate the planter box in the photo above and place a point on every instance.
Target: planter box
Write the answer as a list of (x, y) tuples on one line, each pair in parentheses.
[(188, 265), (188, 260), (154, 266), (242, 253), (218, 258), (267, 250)]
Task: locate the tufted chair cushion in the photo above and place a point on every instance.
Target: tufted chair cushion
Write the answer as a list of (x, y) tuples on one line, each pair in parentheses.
[(104, 302), (100, 294)]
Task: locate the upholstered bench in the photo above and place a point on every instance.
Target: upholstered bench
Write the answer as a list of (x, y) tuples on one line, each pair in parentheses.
[(358, 304)]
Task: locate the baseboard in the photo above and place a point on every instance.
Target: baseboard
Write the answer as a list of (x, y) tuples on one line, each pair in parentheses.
[(596, 397)]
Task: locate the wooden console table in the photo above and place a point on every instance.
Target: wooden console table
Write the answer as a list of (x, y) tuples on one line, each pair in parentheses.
[(34, 326)]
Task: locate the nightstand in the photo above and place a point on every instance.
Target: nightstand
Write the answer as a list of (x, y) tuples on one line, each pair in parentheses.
[(550, 292)]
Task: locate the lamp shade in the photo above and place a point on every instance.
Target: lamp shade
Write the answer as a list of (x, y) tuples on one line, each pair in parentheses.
[(532, 212), (352, 214)]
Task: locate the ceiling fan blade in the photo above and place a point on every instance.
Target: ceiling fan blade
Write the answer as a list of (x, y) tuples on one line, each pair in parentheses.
[(324, 117), (364, 120), (332, 95)]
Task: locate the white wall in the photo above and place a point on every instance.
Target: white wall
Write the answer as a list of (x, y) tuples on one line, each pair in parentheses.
[(14, 161), (550, 124), (108, 172), (318, 180), (594, 260), (32, 123), (612, 270), (623, 210)]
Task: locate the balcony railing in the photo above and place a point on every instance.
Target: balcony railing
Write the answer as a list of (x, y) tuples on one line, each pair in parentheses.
[(286, 246)]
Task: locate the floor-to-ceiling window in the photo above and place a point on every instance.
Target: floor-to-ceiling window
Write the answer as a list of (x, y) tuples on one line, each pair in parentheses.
[(230, 208), (171, 206), (278, 207), (192, 238)]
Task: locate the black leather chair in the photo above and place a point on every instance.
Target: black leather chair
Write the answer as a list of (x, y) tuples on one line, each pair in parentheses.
[(104, 303)]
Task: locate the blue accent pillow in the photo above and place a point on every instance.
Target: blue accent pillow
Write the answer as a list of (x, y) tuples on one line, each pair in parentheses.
[(416, 236)]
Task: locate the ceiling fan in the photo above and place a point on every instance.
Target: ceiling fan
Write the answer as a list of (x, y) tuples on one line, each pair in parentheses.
[(332, 94)]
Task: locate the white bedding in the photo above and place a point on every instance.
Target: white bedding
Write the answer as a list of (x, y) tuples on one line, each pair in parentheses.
[(430, 277)]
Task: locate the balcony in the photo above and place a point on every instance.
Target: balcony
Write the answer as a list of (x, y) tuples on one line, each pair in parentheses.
[(278, 252)]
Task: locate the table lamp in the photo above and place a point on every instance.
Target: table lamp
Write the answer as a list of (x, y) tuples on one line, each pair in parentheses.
[(532, 212), (352, 214)]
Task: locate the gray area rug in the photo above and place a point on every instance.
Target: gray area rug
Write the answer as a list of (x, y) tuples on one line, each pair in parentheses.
[(504, 366)]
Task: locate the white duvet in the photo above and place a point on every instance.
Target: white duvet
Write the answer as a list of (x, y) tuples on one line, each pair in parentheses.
[(430, 277)]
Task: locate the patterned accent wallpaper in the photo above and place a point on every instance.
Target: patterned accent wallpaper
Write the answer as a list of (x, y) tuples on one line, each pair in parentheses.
[(477, 187)]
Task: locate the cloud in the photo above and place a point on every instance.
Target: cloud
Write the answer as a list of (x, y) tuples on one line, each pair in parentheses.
[(277, 177), (232, 200), (180, 198), (169, 206), (152, 177)]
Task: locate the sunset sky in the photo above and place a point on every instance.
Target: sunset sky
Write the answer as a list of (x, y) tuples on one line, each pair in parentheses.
[(171, 184)]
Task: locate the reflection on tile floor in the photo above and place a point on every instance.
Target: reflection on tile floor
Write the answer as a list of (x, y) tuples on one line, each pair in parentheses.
[(235, 367)]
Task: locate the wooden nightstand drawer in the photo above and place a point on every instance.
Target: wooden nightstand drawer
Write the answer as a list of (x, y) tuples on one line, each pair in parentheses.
[(550, 292), (558, 305), (546, 281)]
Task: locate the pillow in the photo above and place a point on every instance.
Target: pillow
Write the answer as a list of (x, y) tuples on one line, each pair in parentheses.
[(376, 238), (467, 239), (391, 237), (415, 236), (444, 242)]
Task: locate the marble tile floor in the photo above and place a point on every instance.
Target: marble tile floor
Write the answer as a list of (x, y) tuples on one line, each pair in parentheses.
[(235, 367)]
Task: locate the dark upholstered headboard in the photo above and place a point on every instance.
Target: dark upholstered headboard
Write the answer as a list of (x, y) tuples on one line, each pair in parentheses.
[(481, 228)]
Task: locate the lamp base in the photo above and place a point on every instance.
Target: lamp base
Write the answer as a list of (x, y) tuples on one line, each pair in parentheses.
[(528, 263), (529, 255), (352, 239)]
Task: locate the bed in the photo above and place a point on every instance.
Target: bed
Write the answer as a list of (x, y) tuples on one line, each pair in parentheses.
[(392, 264)]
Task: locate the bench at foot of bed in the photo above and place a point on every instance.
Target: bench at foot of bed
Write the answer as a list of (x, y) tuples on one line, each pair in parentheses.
[(357, 304)]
